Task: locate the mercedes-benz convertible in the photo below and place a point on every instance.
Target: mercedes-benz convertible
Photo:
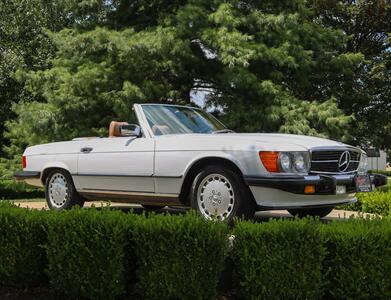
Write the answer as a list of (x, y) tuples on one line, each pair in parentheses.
[(183, 156)]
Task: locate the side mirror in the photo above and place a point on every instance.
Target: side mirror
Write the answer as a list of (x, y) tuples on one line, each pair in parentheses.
[(130, 130)]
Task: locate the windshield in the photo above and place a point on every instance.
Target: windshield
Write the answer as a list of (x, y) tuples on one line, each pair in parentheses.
[(170, 119)]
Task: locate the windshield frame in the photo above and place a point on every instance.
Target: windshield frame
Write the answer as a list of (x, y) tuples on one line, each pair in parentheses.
[(147, 128)]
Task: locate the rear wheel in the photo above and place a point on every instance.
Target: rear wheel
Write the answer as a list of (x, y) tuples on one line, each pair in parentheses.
[(313, 212), (220, 193), (60, 191)]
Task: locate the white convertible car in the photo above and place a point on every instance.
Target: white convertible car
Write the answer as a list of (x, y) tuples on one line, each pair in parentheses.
[(183, 156)]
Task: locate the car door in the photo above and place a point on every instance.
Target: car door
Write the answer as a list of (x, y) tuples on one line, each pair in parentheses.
[(118, 164)]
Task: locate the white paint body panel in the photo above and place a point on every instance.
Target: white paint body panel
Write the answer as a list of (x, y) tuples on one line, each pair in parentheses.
[(159, 164), (118, 164), (273, 198)]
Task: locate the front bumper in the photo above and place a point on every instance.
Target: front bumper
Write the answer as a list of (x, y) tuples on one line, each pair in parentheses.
[(324, 184), (26, 175)]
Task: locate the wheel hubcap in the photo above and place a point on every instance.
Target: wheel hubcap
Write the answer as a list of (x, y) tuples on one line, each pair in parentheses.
[(215, 197), (58, 190)]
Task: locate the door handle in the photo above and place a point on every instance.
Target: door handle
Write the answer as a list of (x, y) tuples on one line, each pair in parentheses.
[(86, 149)]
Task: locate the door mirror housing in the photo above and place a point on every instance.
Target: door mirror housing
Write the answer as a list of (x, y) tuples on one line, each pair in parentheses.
[(130, 130)]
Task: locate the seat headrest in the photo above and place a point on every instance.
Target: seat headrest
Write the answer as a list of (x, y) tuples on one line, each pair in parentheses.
[(114, 128)]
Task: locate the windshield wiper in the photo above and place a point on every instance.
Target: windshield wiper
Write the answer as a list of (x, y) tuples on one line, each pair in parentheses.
[(223, 131)]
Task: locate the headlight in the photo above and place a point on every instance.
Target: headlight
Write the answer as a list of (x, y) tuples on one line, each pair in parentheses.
[(285, 162), (363, 165), (300, 162)]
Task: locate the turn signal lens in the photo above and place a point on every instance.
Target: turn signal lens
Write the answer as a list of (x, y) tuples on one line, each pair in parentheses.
[(269, 160), (24, 162), (309, 189)]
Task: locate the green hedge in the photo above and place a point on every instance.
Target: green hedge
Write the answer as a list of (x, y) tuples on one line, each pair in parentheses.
[(86, 253), (279, 260), (180, 257), (22, 236), (377, 202), (104, 254), (359, 259), (387, 173), (11, 189), (303, 259)]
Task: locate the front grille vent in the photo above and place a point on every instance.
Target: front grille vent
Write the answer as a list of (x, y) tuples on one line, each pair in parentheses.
[(328, 161)]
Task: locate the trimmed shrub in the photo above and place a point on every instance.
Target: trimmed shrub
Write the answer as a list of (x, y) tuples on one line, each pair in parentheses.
[(387, 173), (377, 202), (101, 254), (180, 257), (11, 189), (358, 260), (281, 259), (86, 253), (22, 236)]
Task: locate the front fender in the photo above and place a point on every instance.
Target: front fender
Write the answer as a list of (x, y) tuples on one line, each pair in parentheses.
[(246, 161)]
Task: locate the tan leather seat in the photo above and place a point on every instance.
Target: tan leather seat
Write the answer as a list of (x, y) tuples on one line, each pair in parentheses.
[(114, 128)]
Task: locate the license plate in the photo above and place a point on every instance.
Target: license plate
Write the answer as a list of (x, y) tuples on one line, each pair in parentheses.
[(363, 183)]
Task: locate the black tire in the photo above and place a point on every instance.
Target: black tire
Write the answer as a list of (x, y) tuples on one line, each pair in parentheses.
[(312, 212), (152, 207), (61, 196), (242, 205)]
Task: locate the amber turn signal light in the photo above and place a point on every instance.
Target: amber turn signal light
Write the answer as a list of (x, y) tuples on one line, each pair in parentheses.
[(309, 189), (269, 160)]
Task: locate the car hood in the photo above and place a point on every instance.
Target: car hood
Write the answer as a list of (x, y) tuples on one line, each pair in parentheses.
[(301, 140), (243, 141)]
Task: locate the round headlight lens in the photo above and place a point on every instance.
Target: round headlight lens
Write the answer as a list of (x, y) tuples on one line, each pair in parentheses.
[(300, 163), (285, 162)]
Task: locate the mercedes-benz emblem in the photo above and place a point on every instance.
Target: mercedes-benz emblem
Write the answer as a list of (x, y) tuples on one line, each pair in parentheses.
[(344, 161)]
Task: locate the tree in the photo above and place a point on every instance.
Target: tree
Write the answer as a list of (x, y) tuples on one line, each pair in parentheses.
[(366, 92), (25, 44), (271, 66)]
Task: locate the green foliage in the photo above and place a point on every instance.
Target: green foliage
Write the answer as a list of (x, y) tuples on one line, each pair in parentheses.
[(313, 67), (99, 73), (86, 253), (365, 92), (180, 257), (24, 44), (22, 237), (10, 189), (279, 259), (387, 173), (273, 57), (101, 254), (358, 261), (377, 202)]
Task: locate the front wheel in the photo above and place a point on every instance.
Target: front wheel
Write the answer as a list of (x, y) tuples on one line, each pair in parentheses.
[(60, 191), (313, 212), (220, 193)]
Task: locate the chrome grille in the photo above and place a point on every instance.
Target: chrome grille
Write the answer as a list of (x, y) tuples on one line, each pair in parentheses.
[(326, 160)]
